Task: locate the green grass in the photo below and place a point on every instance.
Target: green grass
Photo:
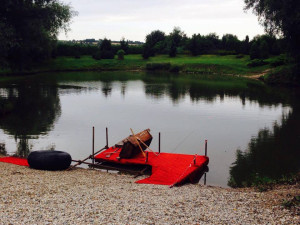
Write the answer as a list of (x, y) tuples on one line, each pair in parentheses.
[(132, 62), (205, 64)]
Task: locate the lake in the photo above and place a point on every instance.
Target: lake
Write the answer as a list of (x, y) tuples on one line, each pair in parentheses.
[(247, 123)]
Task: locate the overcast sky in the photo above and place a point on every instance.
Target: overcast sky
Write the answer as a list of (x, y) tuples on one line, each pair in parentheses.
[(134, 19)]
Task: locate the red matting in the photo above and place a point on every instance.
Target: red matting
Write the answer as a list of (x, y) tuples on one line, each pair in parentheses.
[(15, 160), (167, 168)]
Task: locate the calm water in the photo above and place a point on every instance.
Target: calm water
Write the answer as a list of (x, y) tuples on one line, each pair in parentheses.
[(59, 110)]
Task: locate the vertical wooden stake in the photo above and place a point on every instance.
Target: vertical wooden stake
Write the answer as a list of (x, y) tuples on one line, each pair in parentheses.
[(204, 178), (106, 137), (205, 147), (146, 156), (159, 142), (93, 150)]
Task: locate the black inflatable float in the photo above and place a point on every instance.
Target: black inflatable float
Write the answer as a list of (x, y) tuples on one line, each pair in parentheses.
[(49, 160)]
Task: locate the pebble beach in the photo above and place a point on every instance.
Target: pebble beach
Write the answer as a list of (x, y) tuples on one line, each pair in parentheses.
[(83, 196)]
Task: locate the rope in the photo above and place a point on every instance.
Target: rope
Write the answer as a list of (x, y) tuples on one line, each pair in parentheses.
[(184, 171), (184, 139)]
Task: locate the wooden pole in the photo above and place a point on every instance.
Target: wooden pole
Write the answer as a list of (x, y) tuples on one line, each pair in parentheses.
[(93, 150), (106, 137), (145, 145), (204, 178), (89, 157), (159, 142), (138, 143), (205, 147)]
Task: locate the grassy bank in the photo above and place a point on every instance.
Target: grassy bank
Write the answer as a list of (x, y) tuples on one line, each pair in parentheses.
[(209, 64)]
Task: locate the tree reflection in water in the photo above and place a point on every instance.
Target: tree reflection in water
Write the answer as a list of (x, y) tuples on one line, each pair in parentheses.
[(28, 110), (272, 155)]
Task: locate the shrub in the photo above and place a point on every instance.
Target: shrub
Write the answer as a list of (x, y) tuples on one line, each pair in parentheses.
[(97, 55), (77, 56), (121, 54), (135, 49), (70, 49), (239, 56), (257, 62), (225, 52), (106, 54), (278, 62)]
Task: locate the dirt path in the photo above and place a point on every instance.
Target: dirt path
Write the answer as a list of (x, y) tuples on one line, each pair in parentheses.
[(258, 75)]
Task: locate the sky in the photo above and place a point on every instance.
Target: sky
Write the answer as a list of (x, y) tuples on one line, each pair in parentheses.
[(134, 19)]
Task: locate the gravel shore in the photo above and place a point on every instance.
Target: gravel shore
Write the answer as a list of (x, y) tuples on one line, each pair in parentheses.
[(83, 196)]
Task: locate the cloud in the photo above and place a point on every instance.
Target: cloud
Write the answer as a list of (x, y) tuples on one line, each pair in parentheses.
[(135, 18)]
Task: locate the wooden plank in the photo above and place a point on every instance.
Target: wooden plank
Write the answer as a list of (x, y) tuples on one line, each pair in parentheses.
[(89, 157), (115, 168), (140, 170)]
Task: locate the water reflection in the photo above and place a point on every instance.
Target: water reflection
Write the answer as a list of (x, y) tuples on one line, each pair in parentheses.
[(2, 149), (273, 154), (27, 111), (176, 87), (211, 88), (107, 88), (224, 110)]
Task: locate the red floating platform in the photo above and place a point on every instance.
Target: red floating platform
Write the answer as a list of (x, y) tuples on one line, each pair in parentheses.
[(167, 168), (15, 160)]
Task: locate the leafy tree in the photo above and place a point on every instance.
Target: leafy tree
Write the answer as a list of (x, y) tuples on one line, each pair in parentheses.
[(254, 51), (245, 45), (106, 51), (194, 44), (105, 45), (29, 29), (214, 40), (173, 50), (280, 18), (153, 43), (154, 37), (263, 50), (124, 45), (71, 49), (177, 36), (275, 49), (230, 42), (175, 39), (147, 51)]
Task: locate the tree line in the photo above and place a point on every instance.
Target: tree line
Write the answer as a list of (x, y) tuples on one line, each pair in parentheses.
[(29, 29), (85, 48), (177, 42)]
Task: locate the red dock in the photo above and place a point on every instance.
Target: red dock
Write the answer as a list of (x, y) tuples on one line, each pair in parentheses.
[(15, 160), (167, 168)]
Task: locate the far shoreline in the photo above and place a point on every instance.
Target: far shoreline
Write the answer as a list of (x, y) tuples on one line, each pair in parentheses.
[(182, 64)]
